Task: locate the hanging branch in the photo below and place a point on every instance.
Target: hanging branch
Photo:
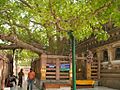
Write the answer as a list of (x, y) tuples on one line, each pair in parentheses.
[(105, 6)]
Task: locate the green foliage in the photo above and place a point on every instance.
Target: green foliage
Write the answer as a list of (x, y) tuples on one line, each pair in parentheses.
[(25, 57), (40, 20)]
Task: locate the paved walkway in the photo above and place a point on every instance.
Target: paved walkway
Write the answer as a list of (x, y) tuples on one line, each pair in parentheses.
[(35, 88), (97, 88), (23, 88)]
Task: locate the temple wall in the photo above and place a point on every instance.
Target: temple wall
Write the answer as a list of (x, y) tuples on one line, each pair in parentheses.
[(110, 78), (108, 66), (109, 70)]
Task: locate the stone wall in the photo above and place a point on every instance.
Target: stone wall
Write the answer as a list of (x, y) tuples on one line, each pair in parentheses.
[(111, 83), (110, 78)]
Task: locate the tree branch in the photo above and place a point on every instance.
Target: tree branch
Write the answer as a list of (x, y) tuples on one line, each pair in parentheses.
[(12, 46), (4, 11), (57, 22), (19, 43), (19, 25), (27, 4), (105, 6), (38, 23)]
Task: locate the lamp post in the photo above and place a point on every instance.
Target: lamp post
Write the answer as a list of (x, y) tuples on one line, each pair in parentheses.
[(72, 38)]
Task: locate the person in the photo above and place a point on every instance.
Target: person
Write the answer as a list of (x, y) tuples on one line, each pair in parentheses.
[(20, 78), (31, 77), (10, 81)]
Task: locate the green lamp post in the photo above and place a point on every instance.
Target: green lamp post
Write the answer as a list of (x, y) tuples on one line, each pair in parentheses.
[(73, 60)]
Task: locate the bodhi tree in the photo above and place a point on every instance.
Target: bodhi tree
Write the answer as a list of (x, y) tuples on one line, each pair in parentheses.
[(42, 24)]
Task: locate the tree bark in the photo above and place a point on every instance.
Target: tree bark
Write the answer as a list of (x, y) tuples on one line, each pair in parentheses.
[(19, 43), (12, 46)]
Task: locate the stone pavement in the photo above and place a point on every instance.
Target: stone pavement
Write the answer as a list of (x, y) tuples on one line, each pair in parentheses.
[(35, 88), (97, 88), (23, 88)]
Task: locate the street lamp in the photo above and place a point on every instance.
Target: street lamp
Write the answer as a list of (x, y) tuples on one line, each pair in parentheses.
[(72, 38)]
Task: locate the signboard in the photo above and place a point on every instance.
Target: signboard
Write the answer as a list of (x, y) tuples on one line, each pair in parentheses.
[(51, 66), (64, 67)]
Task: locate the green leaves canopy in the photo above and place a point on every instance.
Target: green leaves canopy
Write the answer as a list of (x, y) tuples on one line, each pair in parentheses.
[(46, 22)]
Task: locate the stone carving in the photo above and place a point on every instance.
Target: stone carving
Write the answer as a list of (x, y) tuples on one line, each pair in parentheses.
[(89, 56)]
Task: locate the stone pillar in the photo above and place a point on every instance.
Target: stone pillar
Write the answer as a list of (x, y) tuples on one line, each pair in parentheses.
[(99, 58), (89, 59), (57, 69), (113, 53), (88, 70), (43, 66), (110, 53), (70, 61), (110, 56), (70, 72)]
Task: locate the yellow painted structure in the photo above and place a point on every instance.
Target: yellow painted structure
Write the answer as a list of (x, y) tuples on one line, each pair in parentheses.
[(85, 82)]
